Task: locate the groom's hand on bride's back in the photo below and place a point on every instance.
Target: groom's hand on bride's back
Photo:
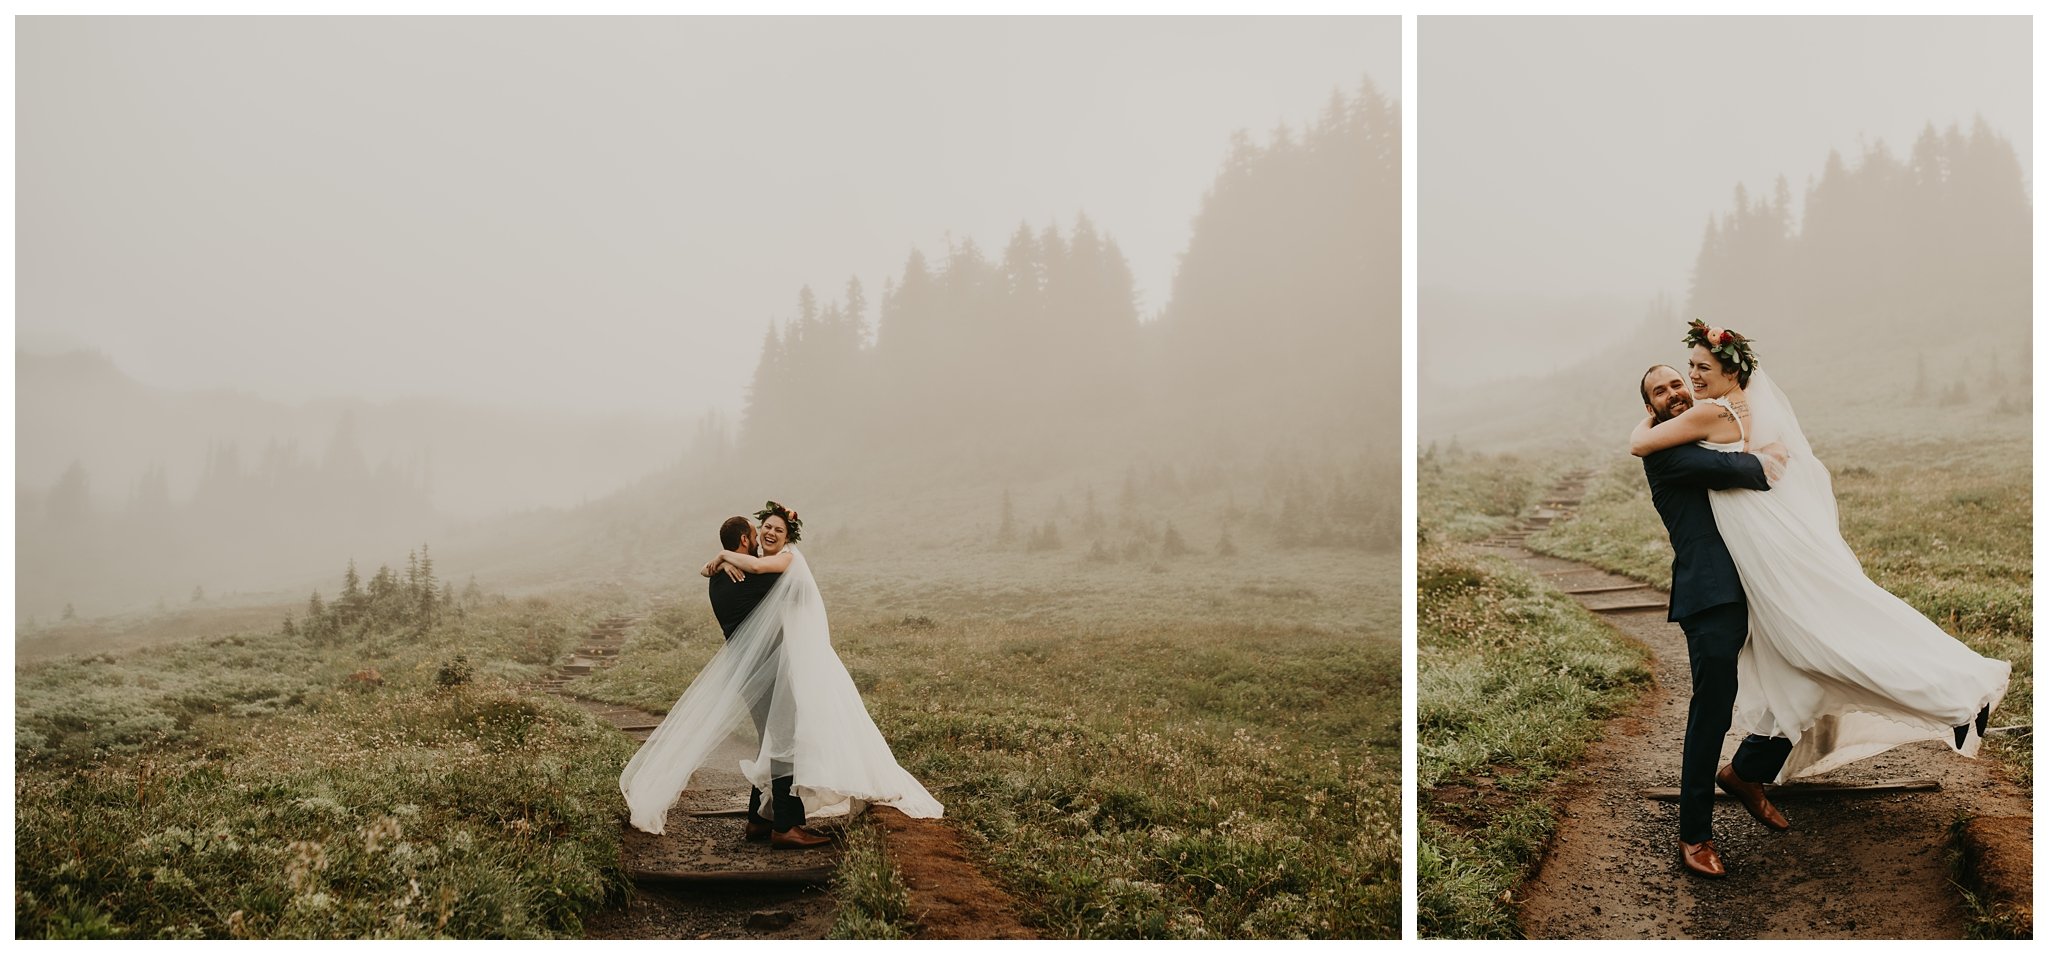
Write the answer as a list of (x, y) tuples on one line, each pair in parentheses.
[(1775, 456)]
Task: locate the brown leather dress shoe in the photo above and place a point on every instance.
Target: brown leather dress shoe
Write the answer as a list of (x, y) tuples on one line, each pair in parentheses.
[(797, 837), (1752, 797), (757, 830), (1701, 859)]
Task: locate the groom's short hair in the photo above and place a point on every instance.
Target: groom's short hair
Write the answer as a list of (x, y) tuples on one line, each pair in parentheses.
[(1643, 382), (733, 531)]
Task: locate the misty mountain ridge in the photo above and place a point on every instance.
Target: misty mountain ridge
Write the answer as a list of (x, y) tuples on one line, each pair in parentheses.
[(130, 496), (1895, 297), (1262, 401), (475, 460)]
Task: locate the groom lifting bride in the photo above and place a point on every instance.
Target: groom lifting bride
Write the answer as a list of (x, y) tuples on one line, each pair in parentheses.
[(819, 753), (734, 596), (1707, 603), (1789, 641)]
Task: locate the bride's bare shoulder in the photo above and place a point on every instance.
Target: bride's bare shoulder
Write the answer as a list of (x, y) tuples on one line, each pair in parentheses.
[(1707, 411)]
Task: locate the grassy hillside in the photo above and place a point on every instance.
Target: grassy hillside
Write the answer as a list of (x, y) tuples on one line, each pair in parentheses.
[(1513, 680), (243, 786), (1146, 734)]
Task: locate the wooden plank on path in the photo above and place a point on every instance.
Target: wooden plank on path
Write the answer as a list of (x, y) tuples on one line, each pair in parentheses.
[(1629, 608), (807, 875), (1612, 589), (1670, 793)]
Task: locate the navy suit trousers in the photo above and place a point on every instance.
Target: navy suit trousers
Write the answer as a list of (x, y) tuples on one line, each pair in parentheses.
[(1713, 639)]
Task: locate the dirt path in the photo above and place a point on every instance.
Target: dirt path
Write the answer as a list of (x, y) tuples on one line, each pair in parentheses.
[(1870, 865), (790, 903), (700, 880), (949, 895)]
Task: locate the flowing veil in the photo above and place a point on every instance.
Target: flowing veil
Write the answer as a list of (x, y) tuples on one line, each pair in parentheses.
[(1806, 489), (779, 664), (1834, 662)]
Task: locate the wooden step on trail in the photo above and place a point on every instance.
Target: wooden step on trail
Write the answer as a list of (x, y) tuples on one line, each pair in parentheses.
[(1798, 790), (795, 875), (1633, 607), (702, 844)]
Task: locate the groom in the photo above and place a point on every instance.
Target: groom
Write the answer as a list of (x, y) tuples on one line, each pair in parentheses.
[(734, 596), (1708, 604)]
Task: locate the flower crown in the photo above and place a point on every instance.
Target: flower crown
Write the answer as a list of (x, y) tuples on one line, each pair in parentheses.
[(1729, 346), (796, 526)]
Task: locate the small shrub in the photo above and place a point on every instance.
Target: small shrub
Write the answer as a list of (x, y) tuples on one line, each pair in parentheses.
[(454, 672)]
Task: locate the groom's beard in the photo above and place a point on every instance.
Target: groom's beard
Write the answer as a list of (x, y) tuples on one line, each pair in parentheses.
[(1676, 407)]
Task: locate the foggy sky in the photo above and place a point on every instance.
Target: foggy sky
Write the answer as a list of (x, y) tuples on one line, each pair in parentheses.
[(596, 213), (1572, 158)]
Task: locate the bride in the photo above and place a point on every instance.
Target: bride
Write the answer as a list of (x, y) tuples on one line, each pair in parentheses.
[(777, 671), (1834, 663)]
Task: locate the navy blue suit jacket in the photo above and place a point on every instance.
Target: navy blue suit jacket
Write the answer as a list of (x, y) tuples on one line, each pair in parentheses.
[(732, 601), (1702, 573)]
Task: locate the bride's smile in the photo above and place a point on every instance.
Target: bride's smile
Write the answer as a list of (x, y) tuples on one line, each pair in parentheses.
[(772, 533), (1708, 380)]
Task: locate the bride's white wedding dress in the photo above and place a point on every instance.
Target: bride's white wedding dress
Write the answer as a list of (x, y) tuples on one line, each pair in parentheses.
[(1834, 662), (779, 661)]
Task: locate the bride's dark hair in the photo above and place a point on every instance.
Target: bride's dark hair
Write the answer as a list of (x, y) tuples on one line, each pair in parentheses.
[(796, 527), (1731, 350)]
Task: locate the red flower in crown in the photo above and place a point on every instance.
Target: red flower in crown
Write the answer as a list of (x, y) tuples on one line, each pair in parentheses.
[(1726, 337)]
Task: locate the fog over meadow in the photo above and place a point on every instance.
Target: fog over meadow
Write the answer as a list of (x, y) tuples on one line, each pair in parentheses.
[(299, 289), (1864, 178)]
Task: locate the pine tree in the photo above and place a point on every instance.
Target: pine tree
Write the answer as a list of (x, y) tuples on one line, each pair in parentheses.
[(384, 587), (1008, 531), (350, 606), (427, 591), (1046, 538), (1172, 545), (70, 502), (856, 312)]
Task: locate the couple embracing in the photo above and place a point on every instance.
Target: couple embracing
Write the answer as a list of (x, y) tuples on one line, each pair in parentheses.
[(819, 753), (1789, 641)]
